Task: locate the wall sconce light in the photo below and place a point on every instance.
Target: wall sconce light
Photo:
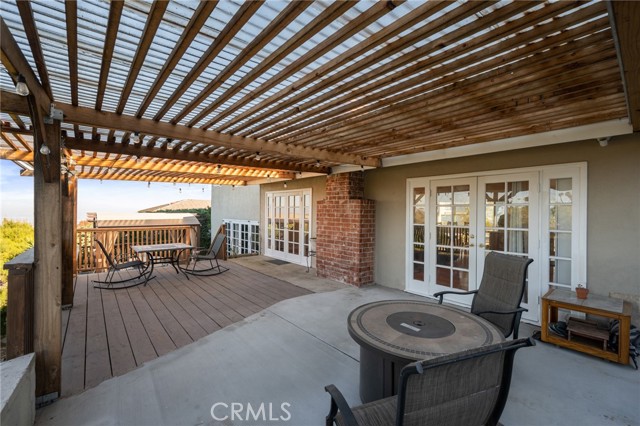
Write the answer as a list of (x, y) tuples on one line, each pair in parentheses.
[(136, 137), (285, 184), (21, 86), (44, 150), (257, 155)]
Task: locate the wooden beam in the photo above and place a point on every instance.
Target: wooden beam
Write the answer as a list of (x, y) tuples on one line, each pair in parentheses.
[(625, 22), (325, 18), (115, 12), (506, 52), (12, 103), (16, 63), (47, 162), (47, 272), (71, 14), (29, 23), (170, 154), (151, 27), (108, 120), (284, 18), (198, 19), (377, 10), (244, 13), (69, 212), (179, 168)]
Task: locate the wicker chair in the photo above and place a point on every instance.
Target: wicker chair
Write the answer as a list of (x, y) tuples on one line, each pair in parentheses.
[(117, 265), (463, 389), (500, 293), (210, 254)]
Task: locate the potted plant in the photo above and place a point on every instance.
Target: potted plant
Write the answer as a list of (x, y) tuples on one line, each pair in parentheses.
[(582, 292)]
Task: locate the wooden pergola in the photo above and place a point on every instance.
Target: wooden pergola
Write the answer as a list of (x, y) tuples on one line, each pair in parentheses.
[(232, 92)]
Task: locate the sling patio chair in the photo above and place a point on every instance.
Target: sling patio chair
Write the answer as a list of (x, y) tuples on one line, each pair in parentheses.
[(500, 293), (210, 254), (116, 266), (463, 389)]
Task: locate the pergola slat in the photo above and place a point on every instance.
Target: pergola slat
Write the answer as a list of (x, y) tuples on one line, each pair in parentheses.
[(26, 14)]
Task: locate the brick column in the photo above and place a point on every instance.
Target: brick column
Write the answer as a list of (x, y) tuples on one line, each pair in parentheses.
[(346, 231)]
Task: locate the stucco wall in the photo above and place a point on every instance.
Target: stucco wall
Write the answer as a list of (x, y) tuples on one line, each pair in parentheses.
[(613, 233), (241, 203)]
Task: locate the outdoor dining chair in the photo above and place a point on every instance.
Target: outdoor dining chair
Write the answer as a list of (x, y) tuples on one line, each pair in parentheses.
[(211, 255), (115, 266), (462, 389), (500, 293)]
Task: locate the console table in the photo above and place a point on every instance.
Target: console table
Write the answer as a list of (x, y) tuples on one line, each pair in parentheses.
[(600, 306)]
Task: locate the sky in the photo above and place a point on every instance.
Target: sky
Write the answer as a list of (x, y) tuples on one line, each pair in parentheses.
[(16, 195)]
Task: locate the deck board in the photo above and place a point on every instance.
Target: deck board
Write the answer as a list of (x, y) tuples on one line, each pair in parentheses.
[(111, 332)]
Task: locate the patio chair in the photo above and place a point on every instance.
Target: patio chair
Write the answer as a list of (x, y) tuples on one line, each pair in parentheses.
[(500, 293), (117, 265), (210, 254), (462, 389)]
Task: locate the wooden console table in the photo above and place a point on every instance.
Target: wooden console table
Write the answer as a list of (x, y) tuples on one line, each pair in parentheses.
[(601, 306)]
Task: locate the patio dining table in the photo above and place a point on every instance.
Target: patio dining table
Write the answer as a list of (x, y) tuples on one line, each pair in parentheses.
[(393, 333), (173, 258)]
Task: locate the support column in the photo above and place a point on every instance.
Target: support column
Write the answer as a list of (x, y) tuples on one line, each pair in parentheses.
[(69, 246), (47, 259)]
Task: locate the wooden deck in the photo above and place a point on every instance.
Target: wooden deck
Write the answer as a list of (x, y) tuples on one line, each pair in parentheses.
[(110, 332)]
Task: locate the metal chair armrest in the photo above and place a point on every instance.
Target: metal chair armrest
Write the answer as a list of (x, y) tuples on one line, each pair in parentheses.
[(338, 403), (441, 294), (515, 311)]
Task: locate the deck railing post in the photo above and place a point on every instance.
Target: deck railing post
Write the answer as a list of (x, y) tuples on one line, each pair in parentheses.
[(20, 305)]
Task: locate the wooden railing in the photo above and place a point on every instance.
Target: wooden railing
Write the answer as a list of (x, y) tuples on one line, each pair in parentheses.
[(118, 242)]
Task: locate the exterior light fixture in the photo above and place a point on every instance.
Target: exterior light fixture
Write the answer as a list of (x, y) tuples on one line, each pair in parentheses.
[(21, 86), (603, 141), (285, 184), (148, 184), (136, 137), (180, 190), (318, 163), (44, 150), (257, 155)]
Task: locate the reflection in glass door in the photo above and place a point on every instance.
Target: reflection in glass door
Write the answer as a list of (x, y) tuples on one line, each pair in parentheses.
[(288, 217), (509, 204), (452, 226)]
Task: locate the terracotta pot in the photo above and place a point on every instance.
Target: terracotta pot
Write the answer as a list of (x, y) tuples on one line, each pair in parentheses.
[(582, 292)]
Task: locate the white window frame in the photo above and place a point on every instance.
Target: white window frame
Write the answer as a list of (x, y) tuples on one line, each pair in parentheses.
[(577, 171)]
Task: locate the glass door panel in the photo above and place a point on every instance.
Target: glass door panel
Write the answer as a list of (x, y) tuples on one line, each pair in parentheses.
[(507, 226), (453, 231), (288, 225)]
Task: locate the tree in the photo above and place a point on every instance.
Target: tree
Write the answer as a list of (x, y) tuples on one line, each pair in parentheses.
[(15, 238)]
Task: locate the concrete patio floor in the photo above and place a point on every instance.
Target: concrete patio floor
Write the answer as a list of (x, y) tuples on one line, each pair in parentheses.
[(282, 357)]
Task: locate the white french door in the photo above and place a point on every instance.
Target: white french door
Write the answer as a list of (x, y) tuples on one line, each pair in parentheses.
[(288, 220), (456, 222)]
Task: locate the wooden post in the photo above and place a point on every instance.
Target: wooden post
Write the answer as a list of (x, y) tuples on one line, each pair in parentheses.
[(20, 305), (48, 261), (69, 209)]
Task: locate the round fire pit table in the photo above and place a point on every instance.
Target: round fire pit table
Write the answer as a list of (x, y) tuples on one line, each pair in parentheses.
[(393, 333)]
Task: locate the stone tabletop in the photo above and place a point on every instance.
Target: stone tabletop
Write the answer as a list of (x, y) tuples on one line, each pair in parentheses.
[(593, 301), (417, 330)]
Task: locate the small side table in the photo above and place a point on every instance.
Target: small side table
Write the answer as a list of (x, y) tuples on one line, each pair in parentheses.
[(601, 306)]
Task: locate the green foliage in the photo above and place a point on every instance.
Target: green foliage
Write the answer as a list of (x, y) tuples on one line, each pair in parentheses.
[(204, 217), (15, 238)]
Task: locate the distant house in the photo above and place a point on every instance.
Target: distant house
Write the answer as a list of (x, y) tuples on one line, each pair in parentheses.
[(181, 205)]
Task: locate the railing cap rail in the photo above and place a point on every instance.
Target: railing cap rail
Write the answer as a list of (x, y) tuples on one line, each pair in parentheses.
[(24, 260)]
